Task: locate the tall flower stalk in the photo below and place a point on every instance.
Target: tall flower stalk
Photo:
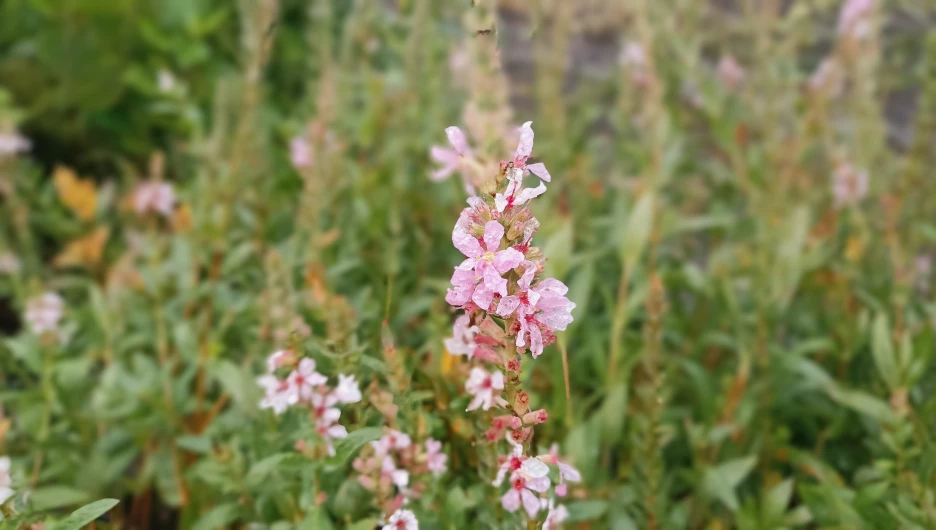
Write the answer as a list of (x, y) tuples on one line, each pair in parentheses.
[(510, 310)]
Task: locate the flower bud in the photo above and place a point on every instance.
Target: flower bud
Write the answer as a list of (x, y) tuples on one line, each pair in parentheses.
[(535, 417), (521, 402)]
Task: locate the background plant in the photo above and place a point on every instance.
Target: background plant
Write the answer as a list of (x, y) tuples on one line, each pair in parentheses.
[(741, 207)]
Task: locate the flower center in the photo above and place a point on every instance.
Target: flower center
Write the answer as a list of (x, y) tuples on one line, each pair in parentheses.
[(488, 256), (519, 483)]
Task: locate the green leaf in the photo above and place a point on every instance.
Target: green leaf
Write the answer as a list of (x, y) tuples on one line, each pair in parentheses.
[(720, 481), (238, 383), (262, 469), (883, 350), (51, 497), (219, 516), (350, 444), (864, 403), (778, 498), (195, 444), (84, 515), (637, 233), (586, 510)]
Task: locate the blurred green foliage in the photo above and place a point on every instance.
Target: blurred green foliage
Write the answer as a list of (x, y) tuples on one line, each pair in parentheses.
[(746, 352)]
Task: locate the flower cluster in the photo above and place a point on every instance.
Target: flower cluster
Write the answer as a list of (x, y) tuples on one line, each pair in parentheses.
[(303, 386), (43, 312), (501, 277), (390, 466), (402, 520), (849, 184)]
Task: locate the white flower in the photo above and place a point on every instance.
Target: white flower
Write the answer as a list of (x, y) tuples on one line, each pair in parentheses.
[(485, 387), (5, 480), (165, 80), (555, 517), (280, 395), (44, 312), (9, 263), (12, 143), (347, 390), (402, 520), (305, 379)]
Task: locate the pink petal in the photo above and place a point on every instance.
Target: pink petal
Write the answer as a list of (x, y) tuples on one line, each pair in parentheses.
[(536, 341), (568, 472), (511, 500), (525, 147), (508, 305), (497, 380), (500, 202), (467, 244), (444, 156), (494, 282), (457, 138), (539, 169), (493, 232), (531, 503), (535, 469), (507, 259), (530, 193), (483, 296)]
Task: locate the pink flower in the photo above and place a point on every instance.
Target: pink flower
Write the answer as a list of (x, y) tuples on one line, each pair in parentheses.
[(389, 472), (13, 143), (279, 359), (392, 441), (516, 462), (485, 387), (300, 154), (435, 458), (44, 312), (827, 78), (305, 379), (279, 394), (566, 472), (154, 196), (730, 73), (540, 310), (522, 154), (450, 159), (5, 480), (854, 18), (326, 419), (849, 185), (555, 516), (9, 263), (516, 194), (634, 59), (521, 491), (402, 520), (462, 341), (347, 390), (478, 278)]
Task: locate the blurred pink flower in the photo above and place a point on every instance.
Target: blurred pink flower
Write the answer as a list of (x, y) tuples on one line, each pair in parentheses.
[(392, 441), (326, 419), (279, 359), (5, 480), (12, 143), (300, 153), (849, 185), (566, 472), (539, 310), (154, 196), (304, 379), (521, 491), (462, 340), (44, 312), (485, 387), (389, 472), (555, 516), (450, 159), (633, 58), (435, 458), (9, 263), (402, 520), (478, 278), (730, 73), (279, 395), (348, 390), (854, 18), (827, 78)]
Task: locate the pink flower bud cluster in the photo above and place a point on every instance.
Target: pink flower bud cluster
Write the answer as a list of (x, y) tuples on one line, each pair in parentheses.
[(154, 197), (304, 386), (501, 277), (392, 466), (43, 312)]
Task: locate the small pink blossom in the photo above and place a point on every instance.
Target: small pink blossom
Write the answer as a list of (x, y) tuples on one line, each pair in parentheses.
[(535, 417), (555, 516), (326, 419), (154, 196), (5, 480), (279, 394), (44, 312), (521, 492), (392, 441), (478, 278), (389, 472), (827, 78), (9, 263), (435, 458), (486, 387), (305, 379), (730, 73), (633, 58), (516, 194), (450, 159), (402, 520), (348, 390), (849, 185), (517, 462), (540, 310), (566, 472), (462, 341), (854, 18), (279, 359), (300, 153), (12, 143)]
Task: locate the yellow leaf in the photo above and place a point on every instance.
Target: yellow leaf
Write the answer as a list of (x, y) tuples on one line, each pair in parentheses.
[(85, 251), (79, 195)]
